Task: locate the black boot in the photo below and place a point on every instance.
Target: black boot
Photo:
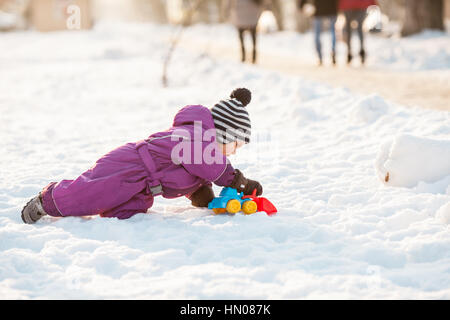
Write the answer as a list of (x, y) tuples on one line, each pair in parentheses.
[(333, 58), (362, 54), (349, 58), (319, 62)]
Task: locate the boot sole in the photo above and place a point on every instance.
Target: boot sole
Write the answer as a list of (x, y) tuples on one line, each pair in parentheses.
[(23, 215), (26, 218)]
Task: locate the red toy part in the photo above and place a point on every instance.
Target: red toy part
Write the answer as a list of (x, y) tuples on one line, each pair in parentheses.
[(262, 203)]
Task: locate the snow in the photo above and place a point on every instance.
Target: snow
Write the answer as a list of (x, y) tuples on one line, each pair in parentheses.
[(444, 213), (408, 160), (341, 230), (368, 109)]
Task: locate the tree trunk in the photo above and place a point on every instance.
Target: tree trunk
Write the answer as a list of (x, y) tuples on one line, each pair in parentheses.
[(422, 14), (276, 7), (394, 9), (303, 22), (189, 9)]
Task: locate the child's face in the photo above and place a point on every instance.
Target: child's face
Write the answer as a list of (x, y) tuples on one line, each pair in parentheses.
[(230, 148)]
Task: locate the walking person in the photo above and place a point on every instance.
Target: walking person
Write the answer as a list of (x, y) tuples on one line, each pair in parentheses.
[(245, 15), (326, 10), (355, 10)]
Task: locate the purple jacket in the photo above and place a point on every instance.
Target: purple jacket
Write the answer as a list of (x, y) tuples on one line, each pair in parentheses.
[(120, 183), (185, 177)]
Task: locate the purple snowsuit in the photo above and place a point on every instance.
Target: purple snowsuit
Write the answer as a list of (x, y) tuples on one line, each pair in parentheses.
[(125, 181)]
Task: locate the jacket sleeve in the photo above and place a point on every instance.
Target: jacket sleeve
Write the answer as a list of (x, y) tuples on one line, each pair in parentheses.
[(204, 161), (227, 177)]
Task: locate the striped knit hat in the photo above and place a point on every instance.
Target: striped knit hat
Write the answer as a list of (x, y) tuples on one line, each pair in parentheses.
[(231, 118)]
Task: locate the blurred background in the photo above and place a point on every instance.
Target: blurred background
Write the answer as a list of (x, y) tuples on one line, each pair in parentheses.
[(409, 16), (404, 36)]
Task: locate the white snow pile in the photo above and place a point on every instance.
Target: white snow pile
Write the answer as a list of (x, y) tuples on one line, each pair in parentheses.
[(428, 50), (444, 213), (368, 109), (407, 160), (340, 232)]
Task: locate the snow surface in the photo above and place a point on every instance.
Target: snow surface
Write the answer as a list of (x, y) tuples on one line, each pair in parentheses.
[(341, 232)]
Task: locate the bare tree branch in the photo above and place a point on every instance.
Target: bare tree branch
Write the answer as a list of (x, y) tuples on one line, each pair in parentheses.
[(186, 20)]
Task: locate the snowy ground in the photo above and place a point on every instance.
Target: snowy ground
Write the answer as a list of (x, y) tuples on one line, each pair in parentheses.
[(322, 155)]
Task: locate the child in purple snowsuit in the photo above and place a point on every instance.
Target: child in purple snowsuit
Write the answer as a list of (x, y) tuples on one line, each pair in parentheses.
[(182, 161)]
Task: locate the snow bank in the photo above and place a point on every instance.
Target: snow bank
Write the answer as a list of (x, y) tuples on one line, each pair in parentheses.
[(368, 109), (428, 50), (407, 160), (444, 213)]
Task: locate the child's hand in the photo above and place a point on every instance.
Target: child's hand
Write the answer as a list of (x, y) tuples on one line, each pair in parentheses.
[(242, 184)]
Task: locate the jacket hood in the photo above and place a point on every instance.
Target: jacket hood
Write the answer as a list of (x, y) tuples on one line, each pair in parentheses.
[(189, 114)]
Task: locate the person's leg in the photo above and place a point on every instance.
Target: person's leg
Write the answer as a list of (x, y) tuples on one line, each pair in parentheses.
[(253, 32), (348, 34), (317, 30), (333, 20), (360, 16), (241, 39)]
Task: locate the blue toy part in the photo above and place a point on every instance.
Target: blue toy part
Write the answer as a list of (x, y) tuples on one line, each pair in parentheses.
[(226, 195)]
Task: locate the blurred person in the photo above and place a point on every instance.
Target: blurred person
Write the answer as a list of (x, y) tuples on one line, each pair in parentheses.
[(245, 15), (325, 10), (355, 10), (182, 161)]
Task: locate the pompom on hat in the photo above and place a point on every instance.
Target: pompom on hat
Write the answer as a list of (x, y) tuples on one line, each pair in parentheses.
[(231, 118)]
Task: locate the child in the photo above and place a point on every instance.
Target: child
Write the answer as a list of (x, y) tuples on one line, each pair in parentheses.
[(182, 161)]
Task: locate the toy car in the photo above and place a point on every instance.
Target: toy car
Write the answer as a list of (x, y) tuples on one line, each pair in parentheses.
[(229, 200)]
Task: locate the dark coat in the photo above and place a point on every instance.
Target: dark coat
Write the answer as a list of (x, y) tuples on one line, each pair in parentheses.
[(323, 7)]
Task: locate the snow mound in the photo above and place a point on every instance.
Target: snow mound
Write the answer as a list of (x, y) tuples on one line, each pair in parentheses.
[(368, 109), (407, 160), (428, 50), (443, 213)]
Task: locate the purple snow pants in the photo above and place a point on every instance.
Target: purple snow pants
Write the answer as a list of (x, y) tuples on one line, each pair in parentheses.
[(116, 186)]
